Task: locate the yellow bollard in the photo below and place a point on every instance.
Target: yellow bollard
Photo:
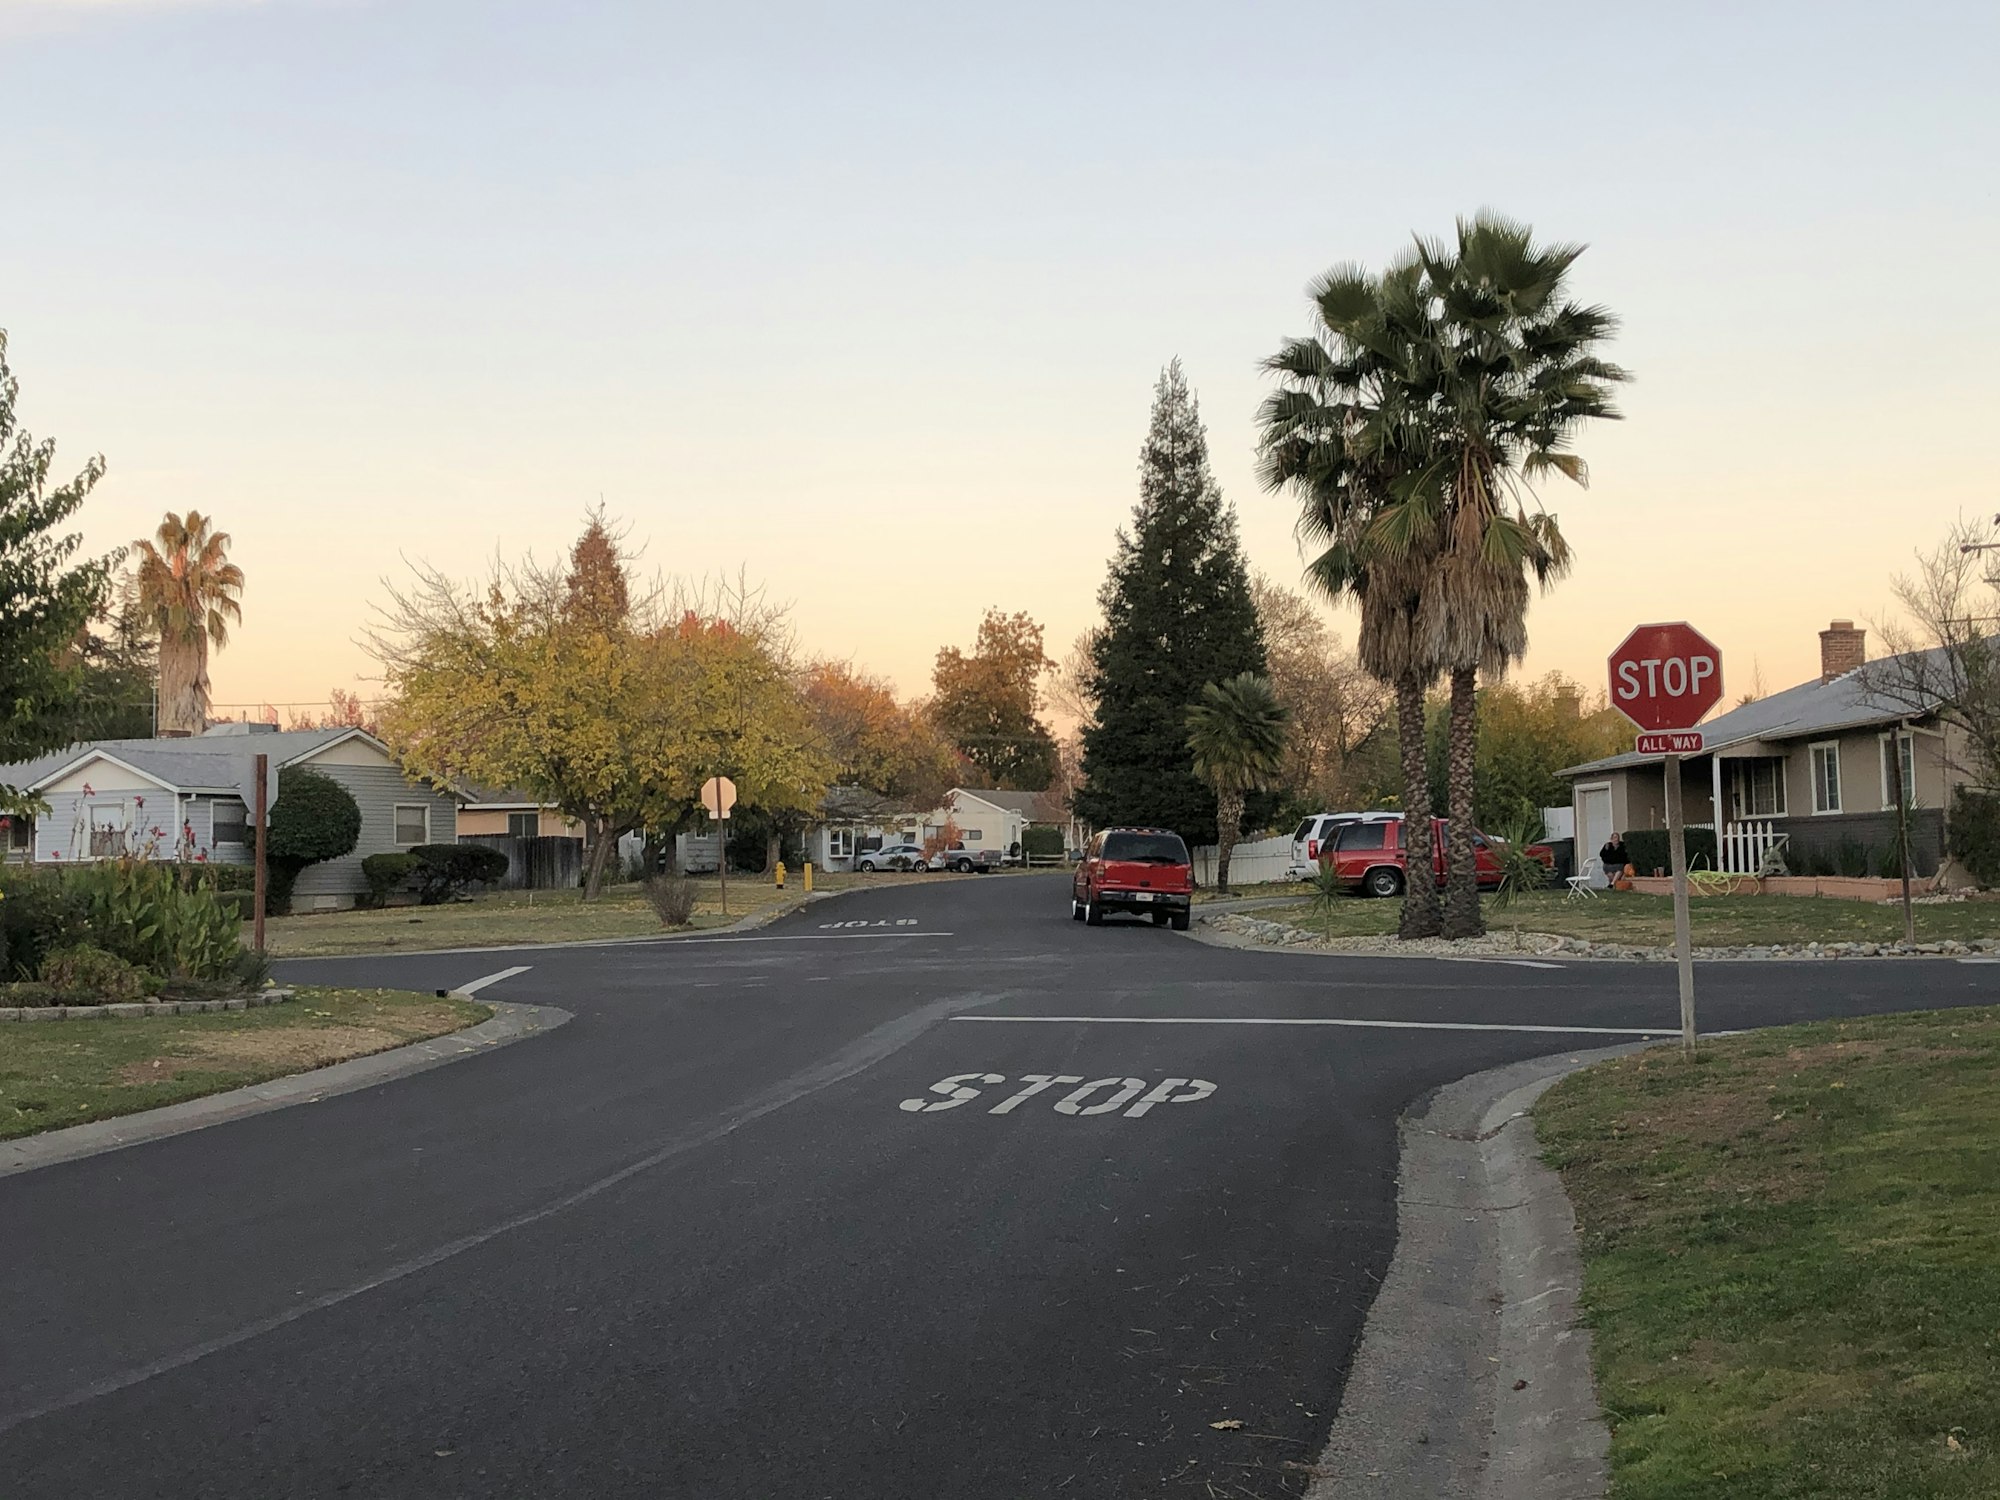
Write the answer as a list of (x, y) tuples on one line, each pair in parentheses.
[(809, 877), (781, 874)]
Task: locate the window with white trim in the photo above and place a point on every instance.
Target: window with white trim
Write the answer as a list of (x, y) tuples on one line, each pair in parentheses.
[(413, 823), (839, 843), (974, 835), (1757, 788), (107, 829), (1907, 744), (230, 821), (1826, 777)]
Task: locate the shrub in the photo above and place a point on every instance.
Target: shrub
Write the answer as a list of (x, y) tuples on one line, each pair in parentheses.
[(1647, 849), (141, 912), (445, 871), (314, 819), (672, 898), (28, 993), (1974, 834), (86, 973), (387, 874), (1043, 843), (38, 913)]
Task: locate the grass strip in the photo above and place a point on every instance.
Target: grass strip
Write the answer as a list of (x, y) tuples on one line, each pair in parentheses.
[(1716, 921), (1792, 1259), (57, 1073)]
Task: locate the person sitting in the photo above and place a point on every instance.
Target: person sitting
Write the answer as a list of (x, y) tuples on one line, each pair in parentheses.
[(1616, 862)]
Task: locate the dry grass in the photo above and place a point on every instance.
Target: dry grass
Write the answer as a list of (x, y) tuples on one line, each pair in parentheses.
[(67, 1072)]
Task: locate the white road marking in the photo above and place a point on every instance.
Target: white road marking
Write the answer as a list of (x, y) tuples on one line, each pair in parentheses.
[(955, 1091), (810, 937), (1518, 963), (1980, 960), (479, 984), (1323, 1021)]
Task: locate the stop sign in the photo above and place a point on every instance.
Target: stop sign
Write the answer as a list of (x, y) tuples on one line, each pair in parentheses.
[(1666, 676)]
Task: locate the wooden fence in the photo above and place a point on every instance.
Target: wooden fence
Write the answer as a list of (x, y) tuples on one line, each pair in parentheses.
[(538, 864)]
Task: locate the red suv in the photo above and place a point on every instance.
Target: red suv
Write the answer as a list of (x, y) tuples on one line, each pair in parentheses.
[(1372, 857), (1144, 871)]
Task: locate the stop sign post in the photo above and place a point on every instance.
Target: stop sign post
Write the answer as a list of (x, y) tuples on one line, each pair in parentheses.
[(1664, 678), (718, 795)]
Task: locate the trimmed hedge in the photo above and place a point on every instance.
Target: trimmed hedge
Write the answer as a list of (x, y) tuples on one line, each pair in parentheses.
[(1647, 849), (1974, 835), (1043, 842), (444, 871), (387, 874)]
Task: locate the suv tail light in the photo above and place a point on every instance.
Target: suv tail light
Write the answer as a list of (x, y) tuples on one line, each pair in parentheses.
[(1312, 848)]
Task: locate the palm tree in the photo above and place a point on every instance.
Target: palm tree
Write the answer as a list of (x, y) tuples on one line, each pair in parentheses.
[(1340, 433), (188, 592), (1506, 369), (1237, 733)]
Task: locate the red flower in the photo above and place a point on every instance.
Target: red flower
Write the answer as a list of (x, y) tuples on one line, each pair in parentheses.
[(138, 801), (201, 856), (159, 833)]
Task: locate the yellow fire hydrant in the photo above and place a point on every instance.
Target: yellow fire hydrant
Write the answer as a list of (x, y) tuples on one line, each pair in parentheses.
[(781, 874)]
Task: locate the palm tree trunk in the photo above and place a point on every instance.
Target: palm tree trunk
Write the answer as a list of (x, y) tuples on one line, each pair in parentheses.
[(183, 704), (1228, 819), (1462, 916), (1421, 917)]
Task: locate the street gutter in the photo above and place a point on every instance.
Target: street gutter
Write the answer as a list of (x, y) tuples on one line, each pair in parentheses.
[(1473, 1377)]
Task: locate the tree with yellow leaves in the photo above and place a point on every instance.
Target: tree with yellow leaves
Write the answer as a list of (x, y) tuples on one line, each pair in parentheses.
[(609, 703)]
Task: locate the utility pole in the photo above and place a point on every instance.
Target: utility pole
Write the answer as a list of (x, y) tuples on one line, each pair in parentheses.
[(1901, 796), (263, 820)]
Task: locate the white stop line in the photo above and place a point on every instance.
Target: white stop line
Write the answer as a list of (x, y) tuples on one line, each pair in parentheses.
[(1132, 1092)]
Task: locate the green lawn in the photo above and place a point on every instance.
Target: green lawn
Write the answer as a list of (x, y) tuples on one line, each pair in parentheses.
[(56, 1073), (505, 917), (1792, 1259), (1717, 921)]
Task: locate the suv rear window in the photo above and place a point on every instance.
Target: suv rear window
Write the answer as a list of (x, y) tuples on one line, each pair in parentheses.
[(1305, 830), (1364, 836), (1146, 848)]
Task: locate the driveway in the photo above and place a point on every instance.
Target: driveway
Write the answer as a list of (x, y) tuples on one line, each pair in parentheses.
[(829, 1209)]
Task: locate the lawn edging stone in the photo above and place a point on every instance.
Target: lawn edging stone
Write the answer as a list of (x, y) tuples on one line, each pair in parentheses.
[(124, 1009)]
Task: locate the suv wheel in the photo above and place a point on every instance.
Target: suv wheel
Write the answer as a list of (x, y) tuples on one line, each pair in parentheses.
[(1075, 910), (1093, 914), (1384, 882), (1181, 919)]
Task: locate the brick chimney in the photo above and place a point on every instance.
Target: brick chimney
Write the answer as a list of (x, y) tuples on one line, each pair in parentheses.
[(1842, 649), (1569, 704)]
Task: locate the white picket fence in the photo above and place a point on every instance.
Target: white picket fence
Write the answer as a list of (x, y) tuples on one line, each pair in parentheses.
[(1745, 843), (1249, 862)]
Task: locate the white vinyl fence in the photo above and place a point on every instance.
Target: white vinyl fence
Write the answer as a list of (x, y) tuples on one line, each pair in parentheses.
[(1249, 862)]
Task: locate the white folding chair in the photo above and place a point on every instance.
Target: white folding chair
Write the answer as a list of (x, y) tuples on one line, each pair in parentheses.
[(1584, 884)]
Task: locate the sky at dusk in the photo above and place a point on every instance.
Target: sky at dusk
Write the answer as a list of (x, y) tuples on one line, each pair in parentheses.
[(868, 301)]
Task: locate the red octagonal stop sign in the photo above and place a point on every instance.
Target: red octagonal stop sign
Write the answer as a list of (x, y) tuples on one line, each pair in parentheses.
[(1666, 676)]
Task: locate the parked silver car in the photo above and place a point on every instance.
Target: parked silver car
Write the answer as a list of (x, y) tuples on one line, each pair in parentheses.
[(891, 857)]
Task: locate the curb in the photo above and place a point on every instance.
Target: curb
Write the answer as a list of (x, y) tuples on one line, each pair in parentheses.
[(745, 924), (509, 1023), (1473, 1377)]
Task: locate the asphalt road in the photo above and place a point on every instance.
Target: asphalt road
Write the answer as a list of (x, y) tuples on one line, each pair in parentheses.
[(734, 1232)]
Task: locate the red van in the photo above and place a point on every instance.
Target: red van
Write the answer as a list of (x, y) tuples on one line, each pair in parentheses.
[(1144, 871), (1371, 857)]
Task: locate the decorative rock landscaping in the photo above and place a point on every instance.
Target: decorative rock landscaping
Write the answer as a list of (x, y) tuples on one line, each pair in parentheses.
[(1263, 933), (143, 1008)]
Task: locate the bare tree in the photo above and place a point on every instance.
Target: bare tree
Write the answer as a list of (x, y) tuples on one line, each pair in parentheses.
[(1944, 656), (1334, 703)]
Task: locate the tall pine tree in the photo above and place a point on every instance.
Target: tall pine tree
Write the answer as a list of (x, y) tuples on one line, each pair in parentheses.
[(1177, 616)]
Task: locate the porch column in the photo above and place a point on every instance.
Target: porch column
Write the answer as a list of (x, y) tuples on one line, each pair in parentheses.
[(1722, 861)]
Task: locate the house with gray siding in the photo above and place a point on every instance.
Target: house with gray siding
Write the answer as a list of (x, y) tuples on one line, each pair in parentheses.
[(192, 798), (1808, 768)]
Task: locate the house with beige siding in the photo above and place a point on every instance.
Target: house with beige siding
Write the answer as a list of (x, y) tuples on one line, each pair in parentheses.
[(1808, 767), (193, 797)]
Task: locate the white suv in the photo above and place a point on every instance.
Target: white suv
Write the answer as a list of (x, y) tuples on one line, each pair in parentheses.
[(1313, 838)]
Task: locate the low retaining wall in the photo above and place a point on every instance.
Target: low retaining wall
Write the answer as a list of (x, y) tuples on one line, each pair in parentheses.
[(143, 1008), (1839, 887)]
